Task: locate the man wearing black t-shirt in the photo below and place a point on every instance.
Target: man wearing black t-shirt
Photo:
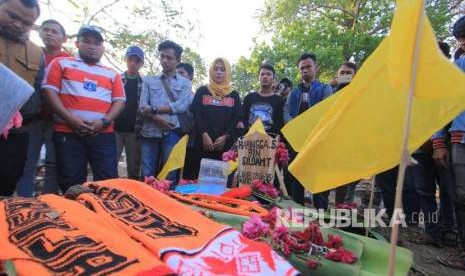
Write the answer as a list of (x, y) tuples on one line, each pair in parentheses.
[(264, 104), (125, 124)]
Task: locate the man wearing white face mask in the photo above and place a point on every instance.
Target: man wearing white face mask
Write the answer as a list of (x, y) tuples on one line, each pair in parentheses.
[(345, 74)]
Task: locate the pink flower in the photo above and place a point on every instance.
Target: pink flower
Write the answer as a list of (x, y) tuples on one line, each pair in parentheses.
[(230, 155), (347, 206), (282, 154), (313, 234), (279, 234), (334, 241), (341, 255), (264, 188), (163, 186), (272, 217), (255, 228)]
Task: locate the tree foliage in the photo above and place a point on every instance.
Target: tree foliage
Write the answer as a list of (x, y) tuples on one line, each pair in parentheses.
[(144, 23), (335, 30)]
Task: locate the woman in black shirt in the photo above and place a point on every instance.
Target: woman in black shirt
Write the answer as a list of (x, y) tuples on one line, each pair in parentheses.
[(216, 109)]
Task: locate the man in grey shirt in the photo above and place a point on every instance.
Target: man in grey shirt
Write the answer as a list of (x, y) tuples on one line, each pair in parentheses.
[(161, 128)]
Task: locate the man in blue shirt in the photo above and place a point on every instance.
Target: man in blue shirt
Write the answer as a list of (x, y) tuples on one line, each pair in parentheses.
[(307, 94), (161, 126)]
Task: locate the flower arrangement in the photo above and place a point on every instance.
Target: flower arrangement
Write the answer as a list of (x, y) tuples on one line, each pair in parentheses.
[(302, 243), (282, 155), (230, 155), (161, 185), (266, 189)]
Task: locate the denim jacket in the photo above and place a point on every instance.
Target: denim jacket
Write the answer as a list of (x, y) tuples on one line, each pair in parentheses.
[(153, 95), (318, 92), (458, 124)]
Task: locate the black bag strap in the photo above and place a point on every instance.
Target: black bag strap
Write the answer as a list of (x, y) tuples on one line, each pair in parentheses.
[(167, 89)]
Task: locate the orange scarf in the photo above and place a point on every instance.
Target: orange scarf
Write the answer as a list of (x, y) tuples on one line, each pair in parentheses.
[(188, 242), (219, 90), (51, 235)]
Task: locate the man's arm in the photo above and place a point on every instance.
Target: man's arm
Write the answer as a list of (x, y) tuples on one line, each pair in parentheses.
[(440, 150), (118, 97), (181, 104), (286, 109), (327, 91), (116, 109), (57, 106)]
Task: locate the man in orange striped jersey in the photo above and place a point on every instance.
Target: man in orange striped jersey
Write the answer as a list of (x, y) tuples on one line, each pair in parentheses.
[(86, 97)]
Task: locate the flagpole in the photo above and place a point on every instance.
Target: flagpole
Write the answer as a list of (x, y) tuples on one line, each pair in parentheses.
[(405, 155)]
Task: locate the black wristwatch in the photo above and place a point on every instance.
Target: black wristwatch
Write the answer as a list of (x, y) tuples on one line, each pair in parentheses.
[(105, 122), (154, 110)]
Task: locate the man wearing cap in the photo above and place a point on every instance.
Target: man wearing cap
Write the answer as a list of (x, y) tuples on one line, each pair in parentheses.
[(125, 125), (86, 97), (23, 57)]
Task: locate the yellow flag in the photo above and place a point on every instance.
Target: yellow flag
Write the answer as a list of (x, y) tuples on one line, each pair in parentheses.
[(232, 166), (359, 132), (256, 127), (176, 159)]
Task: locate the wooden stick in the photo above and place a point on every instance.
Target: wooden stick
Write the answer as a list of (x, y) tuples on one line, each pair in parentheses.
[(282, 185), (405, 156), (370, 202)]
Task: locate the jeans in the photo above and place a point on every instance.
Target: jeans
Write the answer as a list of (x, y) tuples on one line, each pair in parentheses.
[(387, 181), (426, 175), (131, 145), (40, 133), (13, 153), (346, 193), (155, 152), (74, 152), (321, 200), (458, 165)]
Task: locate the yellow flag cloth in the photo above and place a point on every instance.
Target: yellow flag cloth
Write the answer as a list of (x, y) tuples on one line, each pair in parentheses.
[(232, 166), (359, 132), (256, 127), (176, 159)]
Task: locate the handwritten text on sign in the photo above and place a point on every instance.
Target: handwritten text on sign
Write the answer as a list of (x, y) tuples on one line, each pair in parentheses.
[(256, 158)]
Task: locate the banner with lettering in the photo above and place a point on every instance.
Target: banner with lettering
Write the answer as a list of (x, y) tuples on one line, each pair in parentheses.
[(256, 157)]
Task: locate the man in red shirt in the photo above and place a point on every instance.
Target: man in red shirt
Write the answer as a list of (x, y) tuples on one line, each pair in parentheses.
[(53, 36), (86, 97)]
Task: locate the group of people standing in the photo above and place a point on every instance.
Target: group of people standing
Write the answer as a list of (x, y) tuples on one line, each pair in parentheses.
[(86, 113)]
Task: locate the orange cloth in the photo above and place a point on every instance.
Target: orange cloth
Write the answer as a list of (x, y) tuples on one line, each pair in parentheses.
[(223, 204), (188, 242), (51, 235)]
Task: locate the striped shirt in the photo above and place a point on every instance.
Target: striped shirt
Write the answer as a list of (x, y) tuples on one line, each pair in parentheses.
[(87, 91)]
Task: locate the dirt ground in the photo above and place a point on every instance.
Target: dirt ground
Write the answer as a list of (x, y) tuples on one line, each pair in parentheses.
[(425, 263)]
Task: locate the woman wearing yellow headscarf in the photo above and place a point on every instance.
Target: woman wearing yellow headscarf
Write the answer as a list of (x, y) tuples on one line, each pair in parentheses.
[(216, 109)]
